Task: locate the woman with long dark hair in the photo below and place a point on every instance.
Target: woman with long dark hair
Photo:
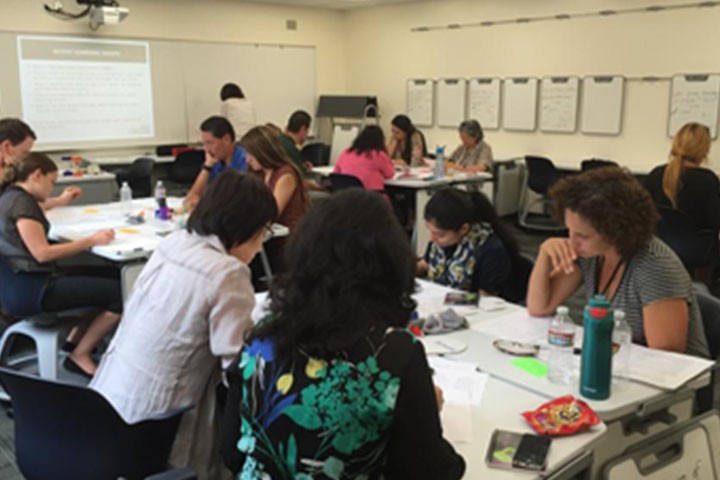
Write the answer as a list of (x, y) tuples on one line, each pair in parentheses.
[(407, 143), (331, 383), (367, 159)]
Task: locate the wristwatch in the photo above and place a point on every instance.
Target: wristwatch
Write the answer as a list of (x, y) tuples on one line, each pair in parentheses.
[(207, 168)]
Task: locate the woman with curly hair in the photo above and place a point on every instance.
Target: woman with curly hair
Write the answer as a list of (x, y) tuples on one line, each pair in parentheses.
[(612, 250), (332, 385)]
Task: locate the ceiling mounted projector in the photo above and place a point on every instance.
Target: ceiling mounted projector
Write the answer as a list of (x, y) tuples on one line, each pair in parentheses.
[(100, 12)]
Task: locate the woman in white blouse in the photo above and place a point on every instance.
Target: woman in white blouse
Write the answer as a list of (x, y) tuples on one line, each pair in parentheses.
[(187, 317), (239, 111)]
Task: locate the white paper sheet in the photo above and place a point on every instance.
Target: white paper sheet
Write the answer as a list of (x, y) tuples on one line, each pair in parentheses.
[(517, 325)]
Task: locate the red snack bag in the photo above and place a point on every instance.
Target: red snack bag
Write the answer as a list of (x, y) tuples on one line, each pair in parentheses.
[(561, 416)]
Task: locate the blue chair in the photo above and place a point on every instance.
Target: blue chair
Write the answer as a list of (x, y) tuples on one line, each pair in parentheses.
[(69, 432)]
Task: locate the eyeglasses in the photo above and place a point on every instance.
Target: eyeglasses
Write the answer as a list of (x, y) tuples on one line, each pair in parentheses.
[(269, 233)]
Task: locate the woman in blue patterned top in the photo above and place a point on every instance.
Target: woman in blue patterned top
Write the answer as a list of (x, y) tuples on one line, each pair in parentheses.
[(331, 385), (470, 249)]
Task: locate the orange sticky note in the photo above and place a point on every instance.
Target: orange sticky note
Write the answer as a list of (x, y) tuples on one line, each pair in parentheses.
[(129, 231), (91, 210)]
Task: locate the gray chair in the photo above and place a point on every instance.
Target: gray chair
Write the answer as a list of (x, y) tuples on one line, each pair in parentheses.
[(710, 311), (138, 176)]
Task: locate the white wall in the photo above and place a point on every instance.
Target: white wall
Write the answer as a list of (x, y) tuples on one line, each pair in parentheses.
[(382, 53), (205, 20)]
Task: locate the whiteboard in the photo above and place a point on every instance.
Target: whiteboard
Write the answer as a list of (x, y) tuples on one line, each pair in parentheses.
[(420, 94), (558, 104), (186, 78), (484, 102), (602, 104), (451, 94), (519, 110), (694, 98)]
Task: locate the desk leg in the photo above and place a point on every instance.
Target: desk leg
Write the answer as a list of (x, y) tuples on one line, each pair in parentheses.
[(128, 275), (421, 234), (266, 267)]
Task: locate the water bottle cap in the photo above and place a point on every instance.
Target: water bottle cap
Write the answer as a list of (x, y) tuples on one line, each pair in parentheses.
[(562, 310), (619, 314), (124, 184)]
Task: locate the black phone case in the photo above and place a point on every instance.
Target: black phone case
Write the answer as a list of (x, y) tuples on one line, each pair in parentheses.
[(532, 452)]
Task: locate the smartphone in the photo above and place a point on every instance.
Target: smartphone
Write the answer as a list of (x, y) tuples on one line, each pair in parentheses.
[(532, 452)]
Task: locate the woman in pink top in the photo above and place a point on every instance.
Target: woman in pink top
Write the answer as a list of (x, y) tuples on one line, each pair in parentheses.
[(367, 159)]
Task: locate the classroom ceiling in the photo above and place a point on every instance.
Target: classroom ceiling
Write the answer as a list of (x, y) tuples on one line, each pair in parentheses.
[(334, 4)]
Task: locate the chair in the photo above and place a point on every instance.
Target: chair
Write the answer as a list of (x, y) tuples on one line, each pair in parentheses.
[(316, 153), (138, 176), (593, 163), (183, 171), (47, 331), (68, 432), (696, 248), (541, 175), (710, 311), (340, 181)]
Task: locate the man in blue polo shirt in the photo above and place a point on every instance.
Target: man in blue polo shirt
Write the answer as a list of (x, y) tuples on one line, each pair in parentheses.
[(221, 153)]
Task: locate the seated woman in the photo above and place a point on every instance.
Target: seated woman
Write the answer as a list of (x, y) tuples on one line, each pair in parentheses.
[(683, 183), (407, 143), (266, 156), (474, 154), (187, 316), (470, 249), (612, 250), (367, 159), (332, 377), (39, 285)]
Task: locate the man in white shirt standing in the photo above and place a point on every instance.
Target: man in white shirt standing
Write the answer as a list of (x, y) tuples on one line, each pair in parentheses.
[(237, 109)]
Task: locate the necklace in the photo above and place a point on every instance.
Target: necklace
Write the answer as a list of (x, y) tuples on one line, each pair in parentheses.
[(598, 271)]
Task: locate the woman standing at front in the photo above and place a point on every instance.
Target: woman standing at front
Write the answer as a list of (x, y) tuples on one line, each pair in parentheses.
[(612, 250)]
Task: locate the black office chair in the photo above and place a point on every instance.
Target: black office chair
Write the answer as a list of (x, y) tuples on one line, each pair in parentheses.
[(593, 163), (138, 176), (710, 311), (541, 174), (68, 432), (339, 181), (316, 153), (697, 248), (183, 171)]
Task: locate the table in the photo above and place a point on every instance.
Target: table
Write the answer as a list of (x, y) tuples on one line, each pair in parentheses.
[(134, 243), (634, 413), (421, 182)]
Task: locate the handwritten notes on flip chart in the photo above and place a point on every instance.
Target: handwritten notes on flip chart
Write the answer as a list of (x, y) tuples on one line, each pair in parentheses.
[(559, 104), (694, 98)]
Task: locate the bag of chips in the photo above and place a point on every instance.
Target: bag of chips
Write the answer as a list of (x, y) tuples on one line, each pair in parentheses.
[(561, 416)]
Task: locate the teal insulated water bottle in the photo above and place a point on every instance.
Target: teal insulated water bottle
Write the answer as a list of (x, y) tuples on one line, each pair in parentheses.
[(596, 362)]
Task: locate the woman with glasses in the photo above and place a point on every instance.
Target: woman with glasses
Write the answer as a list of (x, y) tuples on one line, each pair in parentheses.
[(187, 316)]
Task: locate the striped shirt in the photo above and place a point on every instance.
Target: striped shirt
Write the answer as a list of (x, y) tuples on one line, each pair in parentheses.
[(654, 273)]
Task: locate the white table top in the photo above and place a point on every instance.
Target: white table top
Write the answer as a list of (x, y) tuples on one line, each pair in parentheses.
[(420, 177), (626, 397), (131, 242)]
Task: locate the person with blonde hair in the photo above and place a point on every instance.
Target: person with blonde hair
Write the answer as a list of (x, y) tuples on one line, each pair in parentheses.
[(683, 183)]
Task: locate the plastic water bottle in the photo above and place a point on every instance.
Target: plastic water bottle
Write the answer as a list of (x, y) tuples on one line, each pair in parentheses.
[(622, 340), (125, 199), (596, 361), (160, 194), (439, 161), (561, 337)]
